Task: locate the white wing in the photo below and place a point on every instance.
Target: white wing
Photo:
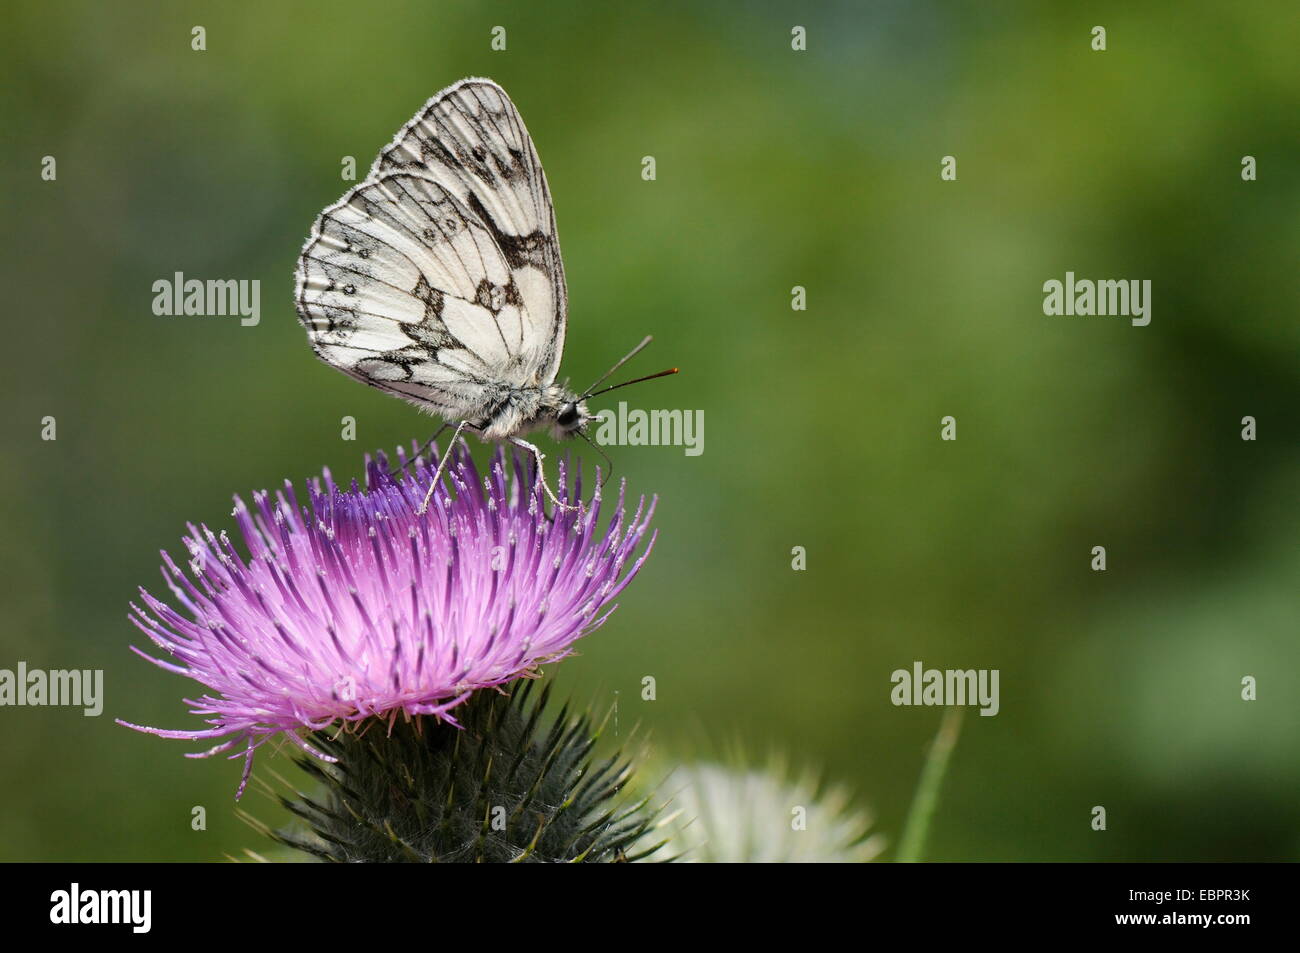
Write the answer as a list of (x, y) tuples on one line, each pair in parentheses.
[(405, 289), (439, 278)]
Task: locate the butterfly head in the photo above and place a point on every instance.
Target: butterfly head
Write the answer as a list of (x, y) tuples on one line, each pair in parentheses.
[(571, 415), (567, 411)]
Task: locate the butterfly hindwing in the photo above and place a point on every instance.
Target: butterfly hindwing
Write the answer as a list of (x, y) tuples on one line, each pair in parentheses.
[(405, 289)]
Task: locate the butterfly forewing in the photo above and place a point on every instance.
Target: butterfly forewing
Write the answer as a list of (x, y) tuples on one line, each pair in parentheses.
[(439, 278)]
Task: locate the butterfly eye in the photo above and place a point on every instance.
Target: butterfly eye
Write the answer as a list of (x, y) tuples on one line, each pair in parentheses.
[(568, 416)]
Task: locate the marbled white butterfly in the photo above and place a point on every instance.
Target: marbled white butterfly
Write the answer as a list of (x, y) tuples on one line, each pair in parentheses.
[(438, 279)]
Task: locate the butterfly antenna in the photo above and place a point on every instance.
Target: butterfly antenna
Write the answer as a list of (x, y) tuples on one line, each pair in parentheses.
[(638, 380), (630, 354), (609, 470)]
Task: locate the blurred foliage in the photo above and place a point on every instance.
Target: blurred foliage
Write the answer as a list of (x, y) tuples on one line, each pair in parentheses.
[(775, 169)]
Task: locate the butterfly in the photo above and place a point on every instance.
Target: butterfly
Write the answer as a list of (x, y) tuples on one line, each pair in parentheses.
[(438, 278)]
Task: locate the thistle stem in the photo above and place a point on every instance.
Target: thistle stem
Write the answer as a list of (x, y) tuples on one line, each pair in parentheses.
[(917, 827)]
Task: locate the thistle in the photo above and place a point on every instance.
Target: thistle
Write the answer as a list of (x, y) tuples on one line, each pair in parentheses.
[(508, 785), (358, 606), (731, 814)]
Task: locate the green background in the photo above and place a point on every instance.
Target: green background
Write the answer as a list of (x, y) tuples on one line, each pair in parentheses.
[(775, 168)]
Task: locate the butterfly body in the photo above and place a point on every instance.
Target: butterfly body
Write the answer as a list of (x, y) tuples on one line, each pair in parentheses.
[(555, 409)]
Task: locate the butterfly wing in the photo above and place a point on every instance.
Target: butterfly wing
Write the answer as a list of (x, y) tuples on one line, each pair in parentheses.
[(439, 278), (404, 288)]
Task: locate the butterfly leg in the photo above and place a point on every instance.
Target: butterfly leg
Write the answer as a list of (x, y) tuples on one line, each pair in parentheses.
[(419, 453), (442, 465), (541, 472)]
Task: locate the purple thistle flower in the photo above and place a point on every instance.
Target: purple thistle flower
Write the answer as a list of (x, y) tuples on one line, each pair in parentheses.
[(356, 606)]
